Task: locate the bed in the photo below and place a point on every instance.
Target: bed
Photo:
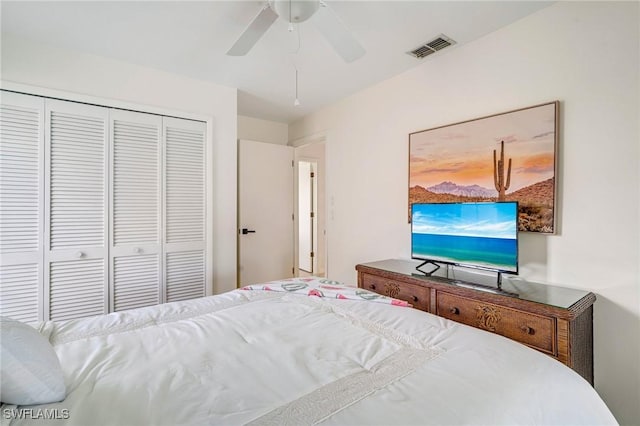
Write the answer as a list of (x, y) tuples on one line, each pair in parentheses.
[(301, 351)]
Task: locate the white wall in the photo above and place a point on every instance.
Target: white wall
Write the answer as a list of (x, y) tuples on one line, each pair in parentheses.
[(91, 76), (584, 54), (255, 129)]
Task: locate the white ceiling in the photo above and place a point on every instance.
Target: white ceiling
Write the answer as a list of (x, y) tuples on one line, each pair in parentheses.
[(191, 39)]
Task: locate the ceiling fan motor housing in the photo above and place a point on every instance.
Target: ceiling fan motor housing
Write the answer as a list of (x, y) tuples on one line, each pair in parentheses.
[(295, 11)]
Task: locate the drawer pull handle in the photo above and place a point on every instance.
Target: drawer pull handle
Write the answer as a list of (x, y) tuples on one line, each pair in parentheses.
[(372, 286), (527, 330), (454, 311), (415, 298), (78, 254)]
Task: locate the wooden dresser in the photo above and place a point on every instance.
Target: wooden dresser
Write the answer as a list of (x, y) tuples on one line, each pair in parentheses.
[(555, 320)]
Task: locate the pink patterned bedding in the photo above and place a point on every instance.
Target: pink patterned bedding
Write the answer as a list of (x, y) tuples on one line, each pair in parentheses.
[(321, 287)]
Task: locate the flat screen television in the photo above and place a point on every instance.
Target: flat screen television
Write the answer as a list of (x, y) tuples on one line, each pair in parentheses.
[(480, 235)]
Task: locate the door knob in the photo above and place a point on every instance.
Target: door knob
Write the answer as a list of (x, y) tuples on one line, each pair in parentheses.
[(246, 231)]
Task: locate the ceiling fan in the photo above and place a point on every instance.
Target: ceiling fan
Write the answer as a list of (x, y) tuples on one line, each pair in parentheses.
[(296, 11)]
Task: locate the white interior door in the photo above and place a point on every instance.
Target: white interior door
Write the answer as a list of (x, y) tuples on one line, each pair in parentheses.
[(135, 213), (184, 209), (21, 202), (75, 210), (265, 208)]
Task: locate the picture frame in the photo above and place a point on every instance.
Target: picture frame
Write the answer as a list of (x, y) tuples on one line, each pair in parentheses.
[(509, 156)]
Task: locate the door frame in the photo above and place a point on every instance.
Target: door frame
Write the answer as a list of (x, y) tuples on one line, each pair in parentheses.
[(297, 144), (322, 218), (314, 222)]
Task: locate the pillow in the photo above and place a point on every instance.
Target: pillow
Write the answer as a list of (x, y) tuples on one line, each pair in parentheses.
[(30, 371)]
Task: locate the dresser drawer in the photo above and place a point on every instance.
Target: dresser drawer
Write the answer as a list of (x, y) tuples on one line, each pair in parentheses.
[(416, 295), (533, 330)]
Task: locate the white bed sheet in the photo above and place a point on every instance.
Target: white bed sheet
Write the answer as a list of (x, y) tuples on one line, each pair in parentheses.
[(253, 357)]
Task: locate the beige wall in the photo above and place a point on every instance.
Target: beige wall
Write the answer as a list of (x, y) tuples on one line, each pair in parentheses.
[(255, 129), (86, 77), (584, 54)]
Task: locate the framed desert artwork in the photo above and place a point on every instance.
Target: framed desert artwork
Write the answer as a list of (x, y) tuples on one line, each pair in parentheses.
[(509, 156)]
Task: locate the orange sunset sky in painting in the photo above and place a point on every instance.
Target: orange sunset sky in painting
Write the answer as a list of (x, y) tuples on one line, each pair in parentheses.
[(463, 153)]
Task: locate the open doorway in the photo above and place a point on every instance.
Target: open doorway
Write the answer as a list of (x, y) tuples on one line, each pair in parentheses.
[(307, 223), (310, 215)]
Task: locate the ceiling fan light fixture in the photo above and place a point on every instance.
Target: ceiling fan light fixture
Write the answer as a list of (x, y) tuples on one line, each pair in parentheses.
[(295, 11)]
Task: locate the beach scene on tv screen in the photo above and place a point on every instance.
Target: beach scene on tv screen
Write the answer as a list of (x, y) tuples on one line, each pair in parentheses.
[(480, 234)]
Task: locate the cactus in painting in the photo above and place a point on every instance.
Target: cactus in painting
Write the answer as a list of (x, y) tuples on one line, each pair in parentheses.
[(498, 173)]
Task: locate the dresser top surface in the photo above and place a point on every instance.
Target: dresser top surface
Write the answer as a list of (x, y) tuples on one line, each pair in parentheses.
[(552, 295)]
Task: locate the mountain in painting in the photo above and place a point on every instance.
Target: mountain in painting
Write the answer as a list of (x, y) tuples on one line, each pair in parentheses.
[(535, 206), (418, 194), (462, 190), (540, 193)]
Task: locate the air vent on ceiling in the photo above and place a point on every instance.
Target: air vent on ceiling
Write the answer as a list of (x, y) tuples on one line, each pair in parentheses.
[(432, 46)]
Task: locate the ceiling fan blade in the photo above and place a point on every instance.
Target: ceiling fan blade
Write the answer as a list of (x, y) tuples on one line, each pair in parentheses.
[(337, 34), (254, 31)]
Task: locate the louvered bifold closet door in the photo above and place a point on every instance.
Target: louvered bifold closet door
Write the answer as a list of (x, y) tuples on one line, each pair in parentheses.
[(184, 209), (21, 206), (135, 199), (76, 206)]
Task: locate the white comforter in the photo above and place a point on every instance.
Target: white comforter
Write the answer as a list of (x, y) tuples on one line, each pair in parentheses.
[(274, 358)]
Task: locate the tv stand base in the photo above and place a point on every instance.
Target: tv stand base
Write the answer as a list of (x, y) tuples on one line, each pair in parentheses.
[(428, 262)]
